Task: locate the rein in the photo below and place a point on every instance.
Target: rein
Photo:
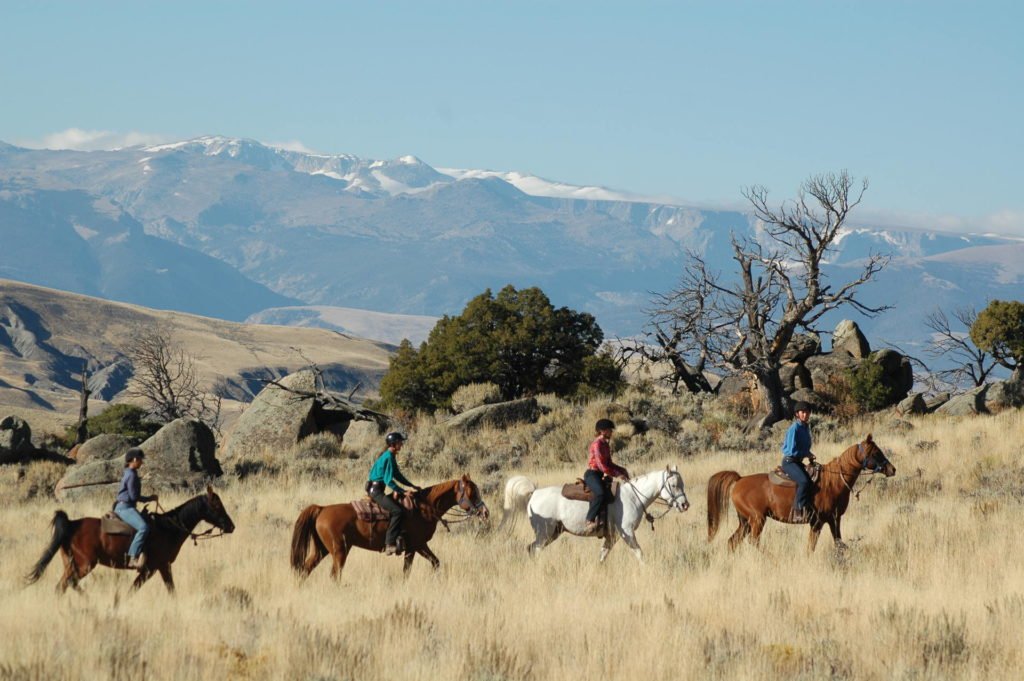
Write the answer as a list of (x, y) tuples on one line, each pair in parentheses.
[(462, 514), (863, 468), (195, 537), (644, 502)]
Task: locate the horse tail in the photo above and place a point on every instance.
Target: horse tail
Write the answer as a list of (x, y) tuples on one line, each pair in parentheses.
[(719, 487), (518, 491), (61, 536), (304, 533)]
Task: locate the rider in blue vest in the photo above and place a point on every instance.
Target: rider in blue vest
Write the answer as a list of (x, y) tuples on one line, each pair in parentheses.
[(795, 448)]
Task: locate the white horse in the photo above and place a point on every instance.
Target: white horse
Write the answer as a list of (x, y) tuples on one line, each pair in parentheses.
[(551, 514)]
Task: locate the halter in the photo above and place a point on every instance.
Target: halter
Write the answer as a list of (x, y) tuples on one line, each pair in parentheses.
[(864, 467)]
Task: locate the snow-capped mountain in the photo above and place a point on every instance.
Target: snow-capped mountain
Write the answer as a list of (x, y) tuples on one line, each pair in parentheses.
[(399, 236)]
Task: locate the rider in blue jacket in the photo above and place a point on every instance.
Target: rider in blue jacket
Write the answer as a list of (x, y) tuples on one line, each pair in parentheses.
[(795, 448)]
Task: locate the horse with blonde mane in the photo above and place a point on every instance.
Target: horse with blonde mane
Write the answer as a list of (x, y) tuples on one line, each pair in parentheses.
[(756, 498)]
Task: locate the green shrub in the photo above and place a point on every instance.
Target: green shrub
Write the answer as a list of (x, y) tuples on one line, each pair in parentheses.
[(867, 388), (117, 419)]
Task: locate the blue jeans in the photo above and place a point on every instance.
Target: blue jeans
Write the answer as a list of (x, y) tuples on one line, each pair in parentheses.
[(803, 497), (130, 515), (594, 480)]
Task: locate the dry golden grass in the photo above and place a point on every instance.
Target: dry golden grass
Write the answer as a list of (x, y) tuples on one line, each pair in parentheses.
[(932, 586)]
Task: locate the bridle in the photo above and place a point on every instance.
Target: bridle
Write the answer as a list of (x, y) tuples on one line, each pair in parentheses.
[(873, 470), (669, 505), (194, 536), (467, 509)]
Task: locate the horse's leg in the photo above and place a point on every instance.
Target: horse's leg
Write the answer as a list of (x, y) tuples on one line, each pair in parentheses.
[(144, 574), (837, 536), (545, 531), (631, 541), (339, 554), (407, 563), (435, 562), (165, 574), (756, 528), (739, 534), (609, 542)]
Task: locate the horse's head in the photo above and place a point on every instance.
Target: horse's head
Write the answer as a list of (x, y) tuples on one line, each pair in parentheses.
[(872, 459), (673, 491), (213, 512), (467, 496)]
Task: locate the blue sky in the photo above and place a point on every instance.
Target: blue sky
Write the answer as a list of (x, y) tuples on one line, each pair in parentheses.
[(690, 100)]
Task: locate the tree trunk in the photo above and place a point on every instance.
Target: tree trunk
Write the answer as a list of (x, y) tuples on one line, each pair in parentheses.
[(82, 433), (769, 384)]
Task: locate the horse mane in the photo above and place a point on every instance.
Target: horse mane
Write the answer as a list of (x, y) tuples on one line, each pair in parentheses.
[(186, 514), (832, 473)]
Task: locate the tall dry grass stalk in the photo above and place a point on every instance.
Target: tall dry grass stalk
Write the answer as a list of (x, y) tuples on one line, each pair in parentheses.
[(932, 586)]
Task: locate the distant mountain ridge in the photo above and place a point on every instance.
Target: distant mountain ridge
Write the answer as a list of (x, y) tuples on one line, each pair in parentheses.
[(400, 236)]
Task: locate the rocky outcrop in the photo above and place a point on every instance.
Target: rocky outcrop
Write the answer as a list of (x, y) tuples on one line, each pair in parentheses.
[(936, 401), (969, 403), (912, 404), (498, 415), (180, 456), (1004, 395), (848, 338), (287, 411), (15, 439), (801, 346)]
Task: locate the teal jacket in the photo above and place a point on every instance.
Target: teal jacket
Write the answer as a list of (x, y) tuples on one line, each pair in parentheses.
[(385, 469)]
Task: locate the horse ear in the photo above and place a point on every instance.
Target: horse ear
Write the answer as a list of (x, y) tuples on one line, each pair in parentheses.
[(868, 439), (675, 469), (209, 491)]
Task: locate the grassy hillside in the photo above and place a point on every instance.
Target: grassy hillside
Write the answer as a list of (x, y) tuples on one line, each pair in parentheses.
[(49, 334), (931, 587)]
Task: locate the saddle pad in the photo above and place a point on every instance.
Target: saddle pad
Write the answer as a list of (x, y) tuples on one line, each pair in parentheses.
[(369, 510), (578, 491), (779, 477), (111, 524)]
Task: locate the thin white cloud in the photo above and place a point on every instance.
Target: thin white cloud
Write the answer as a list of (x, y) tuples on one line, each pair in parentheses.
[(93, 140), (1005, 222), (293, 145)]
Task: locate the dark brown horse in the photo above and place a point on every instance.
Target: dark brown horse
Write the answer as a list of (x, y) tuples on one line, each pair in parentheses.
[(83, 545), (335, 529), (755, 498)]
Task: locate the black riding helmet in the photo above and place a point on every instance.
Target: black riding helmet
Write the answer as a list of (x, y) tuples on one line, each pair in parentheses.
[(604, 424), (132, 454), (393, 438)]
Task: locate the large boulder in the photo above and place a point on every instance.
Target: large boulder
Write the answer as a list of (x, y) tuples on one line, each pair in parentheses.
[(936, 401), (283, 414), (897, 372), (823, 367), (104, 447), (15, 439), (810, 397), (95, 479), (498, 415), (848, 338), (912, 404), (967, 404), (1004, 395), (180, 456), (801, 346), (794, 376)]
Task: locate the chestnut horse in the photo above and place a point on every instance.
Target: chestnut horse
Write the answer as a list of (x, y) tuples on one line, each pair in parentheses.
[(755, 498), (335, 529), (83, 545)]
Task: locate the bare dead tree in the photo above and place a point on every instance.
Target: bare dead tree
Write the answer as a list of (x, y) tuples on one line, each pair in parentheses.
[(973, 365), (165, 377), (744, 322), (82, 431)]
